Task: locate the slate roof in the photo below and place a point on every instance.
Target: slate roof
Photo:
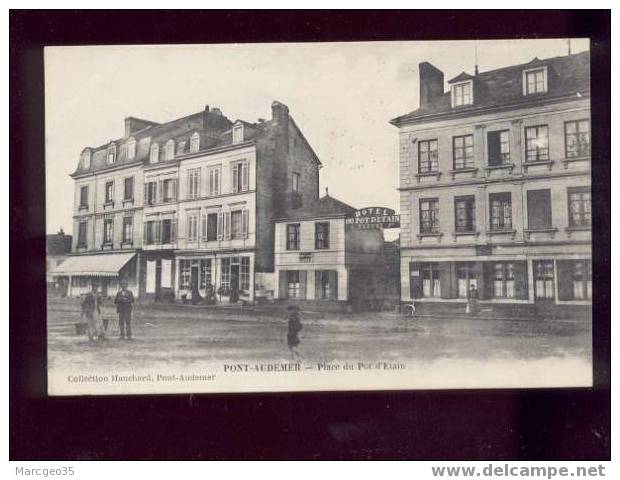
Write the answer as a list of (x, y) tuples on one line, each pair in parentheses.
[(58, 244), (567, 75)]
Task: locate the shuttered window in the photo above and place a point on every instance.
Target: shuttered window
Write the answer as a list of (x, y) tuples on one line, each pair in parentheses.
[(539, 209)]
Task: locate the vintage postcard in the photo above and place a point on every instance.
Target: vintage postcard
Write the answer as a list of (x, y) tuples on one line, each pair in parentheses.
[(318, 216)]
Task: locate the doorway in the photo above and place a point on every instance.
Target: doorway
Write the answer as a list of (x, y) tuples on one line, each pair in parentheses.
[(194, 277)]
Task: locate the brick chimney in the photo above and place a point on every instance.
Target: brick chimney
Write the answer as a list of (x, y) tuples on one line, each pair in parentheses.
[(279, 113), (431, 83)]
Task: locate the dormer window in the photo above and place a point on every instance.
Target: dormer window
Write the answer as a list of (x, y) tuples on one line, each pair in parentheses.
[(238, 133), (535, 81), (170, 149), (111, 154), (86, 159), (131, 148), (154, 158), (194, 145), (462, 94)]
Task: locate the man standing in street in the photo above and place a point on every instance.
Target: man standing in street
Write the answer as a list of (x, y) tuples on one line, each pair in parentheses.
[(91, 310), (124, 306)]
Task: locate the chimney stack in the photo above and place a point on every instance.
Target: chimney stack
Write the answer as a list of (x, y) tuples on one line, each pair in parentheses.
[(431, 83), (279, 113)]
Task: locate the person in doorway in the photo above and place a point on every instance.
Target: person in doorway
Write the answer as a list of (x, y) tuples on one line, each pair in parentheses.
[(91, 311), (209, 293), (234, 290), (124, 307), (472, 300), (294, 327)]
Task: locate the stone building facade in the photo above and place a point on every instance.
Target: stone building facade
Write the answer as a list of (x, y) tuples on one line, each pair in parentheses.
[(495, 189)]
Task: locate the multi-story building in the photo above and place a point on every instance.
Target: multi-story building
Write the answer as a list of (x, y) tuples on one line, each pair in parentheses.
[(495, 187), (174, 207)]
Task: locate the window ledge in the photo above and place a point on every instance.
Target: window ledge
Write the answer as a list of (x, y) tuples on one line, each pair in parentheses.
[(126, 242), (503, 166), (570, 230), (430, 234), (106, 246), (128, 201), (585, 158), (456, 171), (548, 163), (512, 232), (108, 205), (428, 174), (529, 231), (463, 234), (83, 208)]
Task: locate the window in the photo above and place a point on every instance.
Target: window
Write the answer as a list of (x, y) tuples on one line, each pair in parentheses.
[(170, 190), (154, 158), (150, 193), (582, 280), (86, 159), (108, 226), (211, 227), (579, 213), (466, 275), (167, 235), (465, 214), (296, 178), (192, 227), (501, 211), (326, 284), (236, 224), (539, 209), (194, 144), (240, 176), (463, 151), (128, 189), (543, 279), (499, 148), (127, 229), (244, 273), (577, 138), (84, 196), (431, 286), (537, 143), (238, 134), (293, 284), (131, 148), (225, 274), (111, 154), (214, 181), (169, 151), (292, 236), (429, 215), (462, 94), (185, 273), (535, 81), (503, 280), (151, 232), (82, 226), (321, 235), (427, 156), (109, 193), (193, 183), (205, 272)]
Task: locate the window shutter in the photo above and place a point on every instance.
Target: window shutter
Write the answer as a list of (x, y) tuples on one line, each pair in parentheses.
[(235, 175), (244, 176), (244, 224), (203, 227), (227, 225), (220, 225), (564, 273)]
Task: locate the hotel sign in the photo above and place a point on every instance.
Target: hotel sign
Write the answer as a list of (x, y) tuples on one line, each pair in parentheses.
[(372, 218)]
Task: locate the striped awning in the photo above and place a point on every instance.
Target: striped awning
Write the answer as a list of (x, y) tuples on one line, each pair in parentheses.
[(103, 265)]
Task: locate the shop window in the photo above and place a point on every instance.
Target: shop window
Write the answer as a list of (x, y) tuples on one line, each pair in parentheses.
[(429, 215), (465, 214), (499, 148), (225, 273), (321, 235), (244, 273), (293, 284), (326, 283), (582, 280), (185, 274), (577, 138), (544, 279), (579, 208), (205, 273), (427, 156), (431, 285), (503, 280), (537, 143), (501, 211), (463, 152), (292, 236), (539, 209), (466, 274)]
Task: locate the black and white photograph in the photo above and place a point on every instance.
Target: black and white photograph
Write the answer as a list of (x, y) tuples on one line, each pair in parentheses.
[(318, 216)]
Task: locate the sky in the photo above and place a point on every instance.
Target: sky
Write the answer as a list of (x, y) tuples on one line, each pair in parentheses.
[(342, 96)]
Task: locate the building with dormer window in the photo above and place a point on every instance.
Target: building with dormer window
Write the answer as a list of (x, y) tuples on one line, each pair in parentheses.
[(174, 207), (495, 188)]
